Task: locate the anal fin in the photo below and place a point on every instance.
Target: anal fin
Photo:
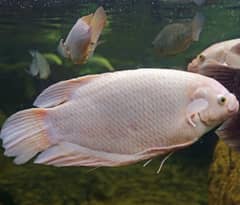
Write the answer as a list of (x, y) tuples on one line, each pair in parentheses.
[(69, 154)]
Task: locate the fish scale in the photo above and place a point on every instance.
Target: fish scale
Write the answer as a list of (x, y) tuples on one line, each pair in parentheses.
[(89, 124)]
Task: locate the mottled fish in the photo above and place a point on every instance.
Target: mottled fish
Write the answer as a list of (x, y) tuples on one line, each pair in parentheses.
[(39, 65), (117, 118), (177, 37), (82, 40)]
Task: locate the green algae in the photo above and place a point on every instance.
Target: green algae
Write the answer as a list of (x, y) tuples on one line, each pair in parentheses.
[(224, 177), (180, 182)]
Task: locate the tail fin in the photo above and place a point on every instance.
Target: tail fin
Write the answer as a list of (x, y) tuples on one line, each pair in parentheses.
[(197, 25), (24, 134)]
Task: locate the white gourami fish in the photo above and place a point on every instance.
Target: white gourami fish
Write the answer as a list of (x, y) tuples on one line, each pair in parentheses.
[(220, 61), (226, 53), (39, 65), (117, 118), (83, 38)]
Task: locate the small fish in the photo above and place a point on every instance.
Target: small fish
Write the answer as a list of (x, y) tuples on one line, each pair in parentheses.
[(39, 65), (226, 53), (82, 40), (117, 118), (177, 37)]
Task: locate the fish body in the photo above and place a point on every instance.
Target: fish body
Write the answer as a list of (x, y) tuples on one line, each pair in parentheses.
[(39, 65), (83, 38), (226, 53), (117, 118), (177, 37)]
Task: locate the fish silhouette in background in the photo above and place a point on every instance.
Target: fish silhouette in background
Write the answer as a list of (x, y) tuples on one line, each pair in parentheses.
[(118, 118), (39, 65), (82, 40), (177, 37)]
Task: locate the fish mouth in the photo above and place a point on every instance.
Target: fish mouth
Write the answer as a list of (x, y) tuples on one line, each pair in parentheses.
[(192, 67), (233, 108)]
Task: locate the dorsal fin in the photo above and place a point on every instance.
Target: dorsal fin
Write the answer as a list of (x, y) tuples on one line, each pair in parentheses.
[(97, 24), (87, 19), (61, 92)]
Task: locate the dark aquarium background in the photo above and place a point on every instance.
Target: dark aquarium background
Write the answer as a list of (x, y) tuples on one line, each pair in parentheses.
[(127, 44)]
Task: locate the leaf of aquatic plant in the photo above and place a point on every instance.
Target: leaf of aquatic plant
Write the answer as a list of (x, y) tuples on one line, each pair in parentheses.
[(101, 61), (53, 58)]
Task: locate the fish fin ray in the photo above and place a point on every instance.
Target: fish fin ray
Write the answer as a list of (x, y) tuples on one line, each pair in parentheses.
[(61, 92), (97, 24), (163, 161), (24, 135), (69, 154), (87, 19)]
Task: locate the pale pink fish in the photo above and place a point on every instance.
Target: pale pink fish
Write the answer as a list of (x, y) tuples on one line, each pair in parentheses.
[(226, 53), (117, 118), (83, 38), (220, 61)]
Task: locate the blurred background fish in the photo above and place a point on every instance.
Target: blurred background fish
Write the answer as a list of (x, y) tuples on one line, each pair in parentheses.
[(82, 40), (177, 37), (39, 65), (226, 53)]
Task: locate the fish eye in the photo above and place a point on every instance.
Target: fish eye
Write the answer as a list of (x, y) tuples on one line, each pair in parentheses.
[(201, 57), (221, 100)]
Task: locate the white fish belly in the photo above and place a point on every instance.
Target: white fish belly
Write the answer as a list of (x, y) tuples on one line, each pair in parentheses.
[(126, 113)]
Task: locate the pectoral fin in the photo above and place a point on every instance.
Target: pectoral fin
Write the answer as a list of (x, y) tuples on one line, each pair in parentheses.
[(195, 107)]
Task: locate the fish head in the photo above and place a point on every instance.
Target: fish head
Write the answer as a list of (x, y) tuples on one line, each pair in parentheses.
[(196, 63), (221, 104)]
